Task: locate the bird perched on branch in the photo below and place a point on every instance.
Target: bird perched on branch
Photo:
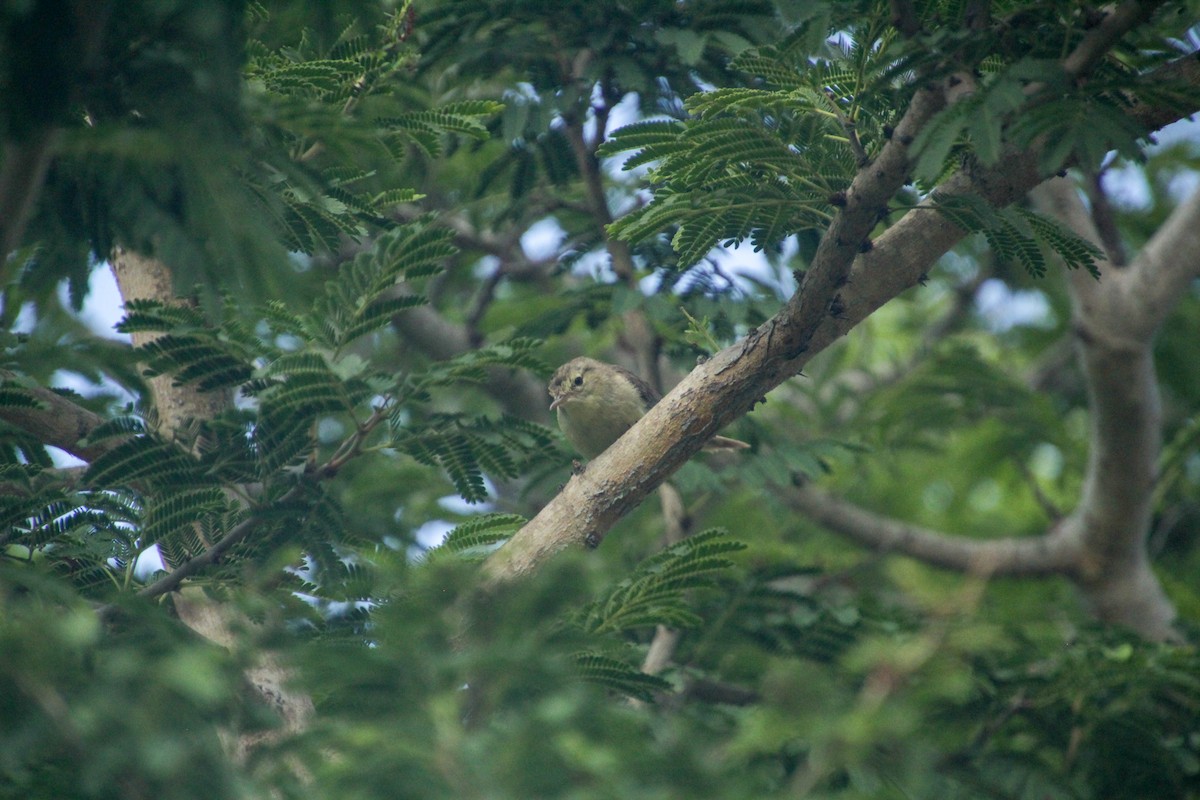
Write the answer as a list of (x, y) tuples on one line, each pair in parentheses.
[(597, 402)]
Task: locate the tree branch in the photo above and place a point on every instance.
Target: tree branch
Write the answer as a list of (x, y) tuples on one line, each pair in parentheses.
[(1115, 320), (729, 384), (22, 173), (734, 380), (677, 528), (1100, 39), (639, 335), (57, 422), (1048, 554), (441, 339)]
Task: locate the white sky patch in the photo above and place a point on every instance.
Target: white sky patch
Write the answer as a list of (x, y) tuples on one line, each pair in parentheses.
[(433, 533), (623, 113), (1127, 187), (148, 562), (456, 505), (1003, 308), (26, 319), (103, 308), (543, 239), (485, 266), (62, 459)]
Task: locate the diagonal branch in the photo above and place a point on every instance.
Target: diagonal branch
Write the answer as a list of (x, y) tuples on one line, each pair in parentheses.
[(1101, 39), (733, 381), (57, 422), (726, 386)]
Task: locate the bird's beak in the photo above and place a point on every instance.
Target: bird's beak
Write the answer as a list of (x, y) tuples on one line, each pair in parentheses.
[(557, 402)]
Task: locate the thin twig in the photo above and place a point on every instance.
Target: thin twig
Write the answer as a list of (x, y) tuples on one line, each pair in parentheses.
[(1105, 220), (850, 129), (171, 581), (904, 18)]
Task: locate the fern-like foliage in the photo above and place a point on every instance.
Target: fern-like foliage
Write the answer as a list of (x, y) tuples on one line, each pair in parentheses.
[(1019, 235), (293, 371), (655, 593), (364, 297), (481, 533), (776, 609), (469, 450), (760, 162), (1129, 707), (618, 676), (314, 100), (958, 387)]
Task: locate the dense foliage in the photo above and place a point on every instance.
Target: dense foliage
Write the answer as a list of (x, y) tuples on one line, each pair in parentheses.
[(396, 219)]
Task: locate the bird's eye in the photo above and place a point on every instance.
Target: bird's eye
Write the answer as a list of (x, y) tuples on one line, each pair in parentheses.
[(579, 380)]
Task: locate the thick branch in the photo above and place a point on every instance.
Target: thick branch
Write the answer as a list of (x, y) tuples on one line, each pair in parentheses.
[(1101, 38), (1158, 278), (1115, 320), (141, 277), (22, 174), (441, 339), (1037, 555), (639, 334), (728, 385), (57, 422)]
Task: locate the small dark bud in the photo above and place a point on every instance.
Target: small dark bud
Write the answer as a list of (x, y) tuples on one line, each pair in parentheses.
[(923, 279), (591, 541), (1062, 173), (838, 199), (888, 130)]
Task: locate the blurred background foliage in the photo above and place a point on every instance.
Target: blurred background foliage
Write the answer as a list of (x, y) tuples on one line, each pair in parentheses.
[(271, 153)]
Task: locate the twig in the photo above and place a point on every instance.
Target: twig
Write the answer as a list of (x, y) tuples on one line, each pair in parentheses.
[(238, 533), (850, 129), (677, 528), (904, 18), (1105, 221), (57, 421), (1099, 40), (483, 301), (1052, 511)]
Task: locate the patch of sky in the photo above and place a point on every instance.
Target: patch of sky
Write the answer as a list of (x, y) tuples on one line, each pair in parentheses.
[(1003, 308)]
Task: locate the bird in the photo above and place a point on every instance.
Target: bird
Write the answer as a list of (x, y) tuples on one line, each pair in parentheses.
[(597, 402)]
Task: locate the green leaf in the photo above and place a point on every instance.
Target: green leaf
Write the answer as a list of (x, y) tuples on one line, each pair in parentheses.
[(481, 533), (619, 677), (655, 593)]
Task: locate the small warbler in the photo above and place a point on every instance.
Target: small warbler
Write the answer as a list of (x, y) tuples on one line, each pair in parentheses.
[(597, 402)]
